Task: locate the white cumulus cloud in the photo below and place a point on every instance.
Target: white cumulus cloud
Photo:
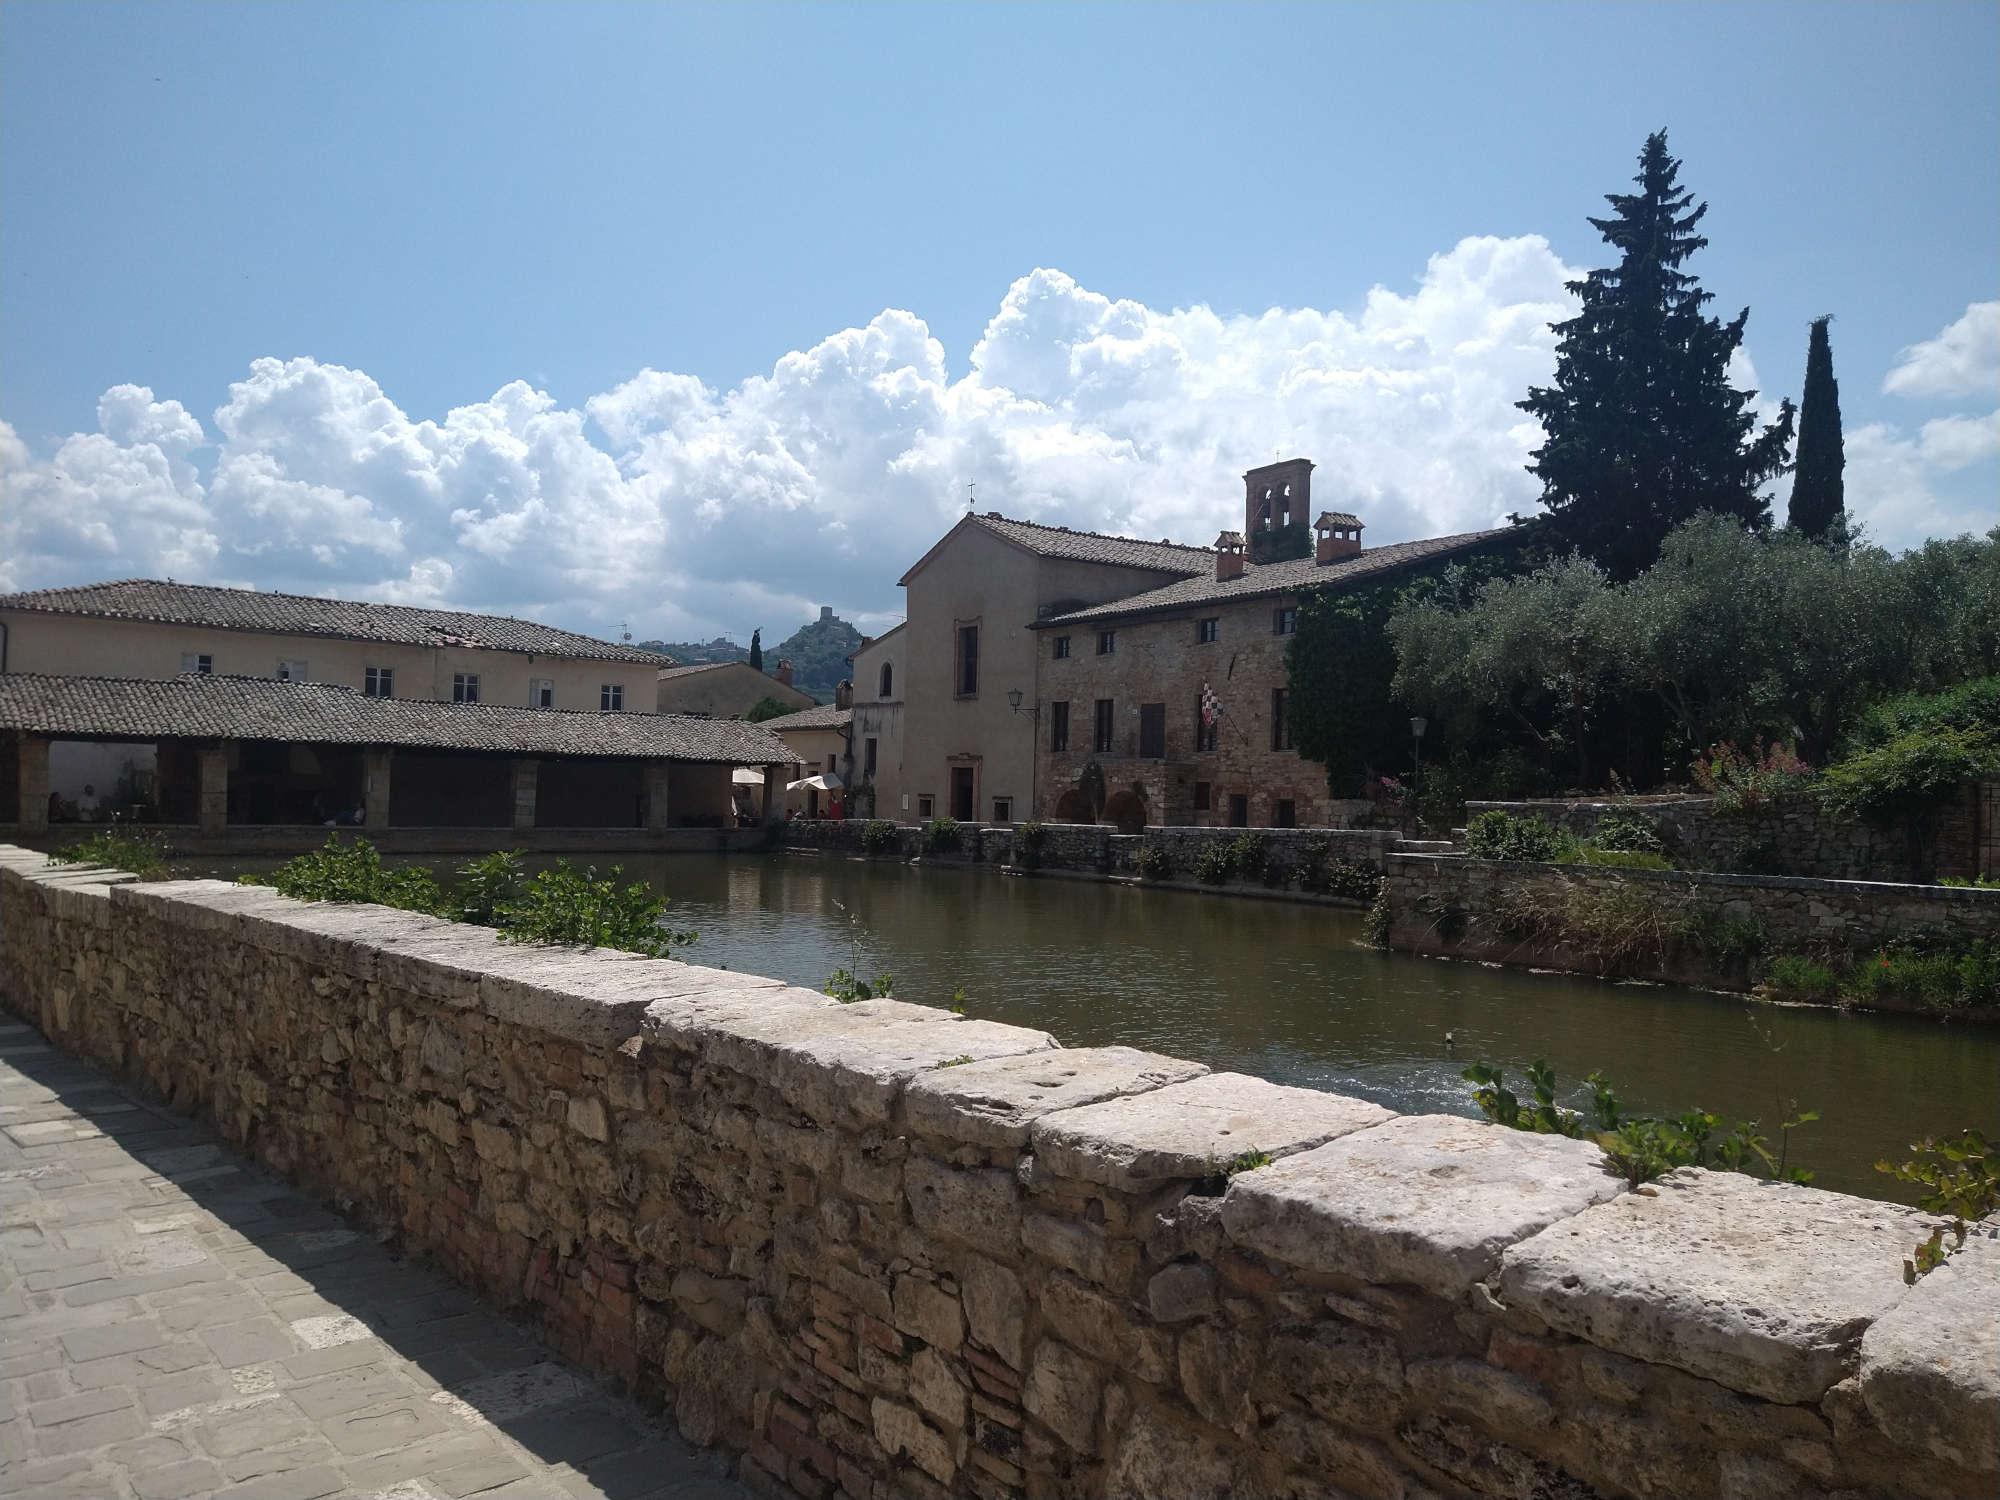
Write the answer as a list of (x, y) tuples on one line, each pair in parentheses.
[(686, 509), (1963, 360)]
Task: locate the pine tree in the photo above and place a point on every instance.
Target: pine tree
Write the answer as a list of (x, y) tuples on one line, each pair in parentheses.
[(757, 650), (1819, 498), (1642, 428)]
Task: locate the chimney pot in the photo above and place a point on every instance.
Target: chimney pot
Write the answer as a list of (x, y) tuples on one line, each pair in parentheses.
[(783, 672), (1337, 535), (1228, 556)]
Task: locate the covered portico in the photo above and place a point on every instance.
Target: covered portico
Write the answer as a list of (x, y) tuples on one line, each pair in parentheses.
[(252, 763)]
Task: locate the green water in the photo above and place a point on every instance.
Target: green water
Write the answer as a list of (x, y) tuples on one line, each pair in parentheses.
[(1285, 991)]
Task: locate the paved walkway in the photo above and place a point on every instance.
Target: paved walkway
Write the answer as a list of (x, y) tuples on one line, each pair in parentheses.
[(176, 1322)]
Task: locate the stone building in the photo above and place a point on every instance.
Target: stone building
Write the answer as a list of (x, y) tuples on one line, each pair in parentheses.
[(253, 763), (877, 729), (145, 628), (726, 689), (1179, 693), (818, 740)]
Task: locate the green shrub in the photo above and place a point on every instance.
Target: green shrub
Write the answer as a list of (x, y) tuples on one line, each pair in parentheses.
[(1910, 774), (1375, 926), (1502, 835), (940, 835), (1213, 864), (1976, 882), (1624, 859), (1969, 705), (1963, 1182), (1727, 944), (768, 708), (1030, 839), (341, 872), (1355, 882), (1627, 833), (114, 851), (1793, 975), (564, 905), (1153, 862), (487, 885), (878, 836), (1250, 855)]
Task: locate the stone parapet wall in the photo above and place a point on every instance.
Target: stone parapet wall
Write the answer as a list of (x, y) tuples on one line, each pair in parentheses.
[(881, 1250), (1456, 907), (1794, 837)]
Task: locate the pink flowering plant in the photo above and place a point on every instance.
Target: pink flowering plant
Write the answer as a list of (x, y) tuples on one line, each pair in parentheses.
[(1748, 782)]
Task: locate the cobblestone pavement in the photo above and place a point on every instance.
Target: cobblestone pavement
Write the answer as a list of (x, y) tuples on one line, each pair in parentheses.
[(176, 1322)]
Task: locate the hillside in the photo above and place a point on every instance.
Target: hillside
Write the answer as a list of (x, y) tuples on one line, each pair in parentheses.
[(693, 653), (818, 653)]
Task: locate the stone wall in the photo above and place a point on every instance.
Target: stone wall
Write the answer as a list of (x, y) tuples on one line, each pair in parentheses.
[(1796, 837), (883, 1250), (1452, 906), (1098, 847)]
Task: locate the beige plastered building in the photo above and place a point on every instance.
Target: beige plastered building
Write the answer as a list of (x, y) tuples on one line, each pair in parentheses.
[(725, 689)]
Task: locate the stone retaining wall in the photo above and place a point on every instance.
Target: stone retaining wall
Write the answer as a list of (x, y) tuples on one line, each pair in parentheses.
[(883, 1250), (1794, 837), (1099, 847), (1456, 907)]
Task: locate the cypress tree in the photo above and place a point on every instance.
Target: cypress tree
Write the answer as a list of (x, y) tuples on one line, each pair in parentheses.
[(757, 650), (1819, 498), (1642, 428)]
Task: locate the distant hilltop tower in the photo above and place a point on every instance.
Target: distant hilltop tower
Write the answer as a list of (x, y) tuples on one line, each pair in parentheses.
[(825, 613)]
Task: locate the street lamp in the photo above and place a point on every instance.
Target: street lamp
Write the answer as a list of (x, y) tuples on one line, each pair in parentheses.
[(1014, 699)]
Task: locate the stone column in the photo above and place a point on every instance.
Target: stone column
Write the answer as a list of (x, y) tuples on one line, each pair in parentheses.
[(775, 778), (212, 805), (525, 772), (33, 782), (657, 810), (375, 766)]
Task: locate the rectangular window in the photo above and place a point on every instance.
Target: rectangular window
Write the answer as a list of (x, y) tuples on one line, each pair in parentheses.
[(1284, 814), (611, 698), (1207, 632), (1204, 796), (924, 806), (378, 682), (1003, 809), (968, 661), (291, 671), (1061, 649), (832, 764), (868, 756), (1059, 725), (1100, 739), (465, 687), (542, 693), (1107, 642), (198, 662), (1281, 724), (1285, 621), (1239, 810), (1153, 731), (1204, 729)]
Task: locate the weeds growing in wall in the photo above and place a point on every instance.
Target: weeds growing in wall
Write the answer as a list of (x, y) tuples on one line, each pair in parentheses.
[(114, 851), (560, 905), (878, 836)]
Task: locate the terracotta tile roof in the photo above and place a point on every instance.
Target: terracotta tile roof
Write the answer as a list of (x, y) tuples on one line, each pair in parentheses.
[(824, 717), (299, 614), (1297, 576), (1096, 547), (262, 708)]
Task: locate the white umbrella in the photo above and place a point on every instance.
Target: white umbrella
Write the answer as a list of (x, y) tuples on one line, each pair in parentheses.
[(747, 776), (826, 781)]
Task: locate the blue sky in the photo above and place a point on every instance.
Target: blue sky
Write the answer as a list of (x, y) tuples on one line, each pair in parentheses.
[(729, 302)]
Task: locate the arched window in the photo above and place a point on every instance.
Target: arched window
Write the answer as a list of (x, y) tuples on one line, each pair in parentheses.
[(888, 681)]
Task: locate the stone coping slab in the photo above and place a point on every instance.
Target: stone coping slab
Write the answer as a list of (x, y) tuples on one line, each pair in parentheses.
[(1192, 1130), (996, 1103), (1930, 1367), (1766, 1287), (1421, 1200), (847, 1064)]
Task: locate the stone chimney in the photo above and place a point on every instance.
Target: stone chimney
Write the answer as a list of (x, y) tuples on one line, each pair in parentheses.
[(843, 693), (1228, 556), (783, 672), (1337, 534)]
